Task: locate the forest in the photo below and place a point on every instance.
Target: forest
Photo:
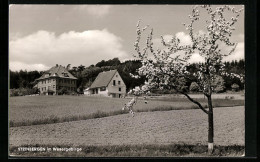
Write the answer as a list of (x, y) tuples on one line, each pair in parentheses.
[(25, 80)]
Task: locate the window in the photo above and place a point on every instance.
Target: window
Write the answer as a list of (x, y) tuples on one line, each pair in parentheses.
[(53, 86), (119, 89), (102, 88), (116, 75), (114, 82), (119, 82), (42, 81), (42, 89), (54, 80)]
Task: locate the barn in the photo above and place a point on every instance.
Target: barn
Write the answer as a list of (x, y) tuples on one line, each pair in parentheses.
[(107, 83)]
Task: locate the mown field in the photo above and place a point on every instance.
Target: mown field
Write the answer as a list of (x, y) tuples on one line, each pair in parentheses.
[(147, 134), (34, 110)]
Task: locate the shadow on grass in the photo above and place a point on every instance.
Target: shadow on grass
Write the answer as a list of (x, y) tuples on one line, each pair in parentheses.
[(141, 150)]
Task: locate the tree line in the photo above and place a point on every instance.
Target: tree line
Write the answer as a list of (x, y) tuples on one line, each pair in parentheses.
[(86, 75)]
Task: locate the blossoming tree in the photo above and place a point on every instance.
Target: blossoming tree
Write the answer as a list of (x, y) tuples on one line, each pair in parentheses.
[(166, 68)]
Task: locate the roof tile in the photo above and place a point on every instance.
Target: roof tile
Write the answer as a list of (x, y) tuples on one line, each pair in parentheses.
[(57, 71)]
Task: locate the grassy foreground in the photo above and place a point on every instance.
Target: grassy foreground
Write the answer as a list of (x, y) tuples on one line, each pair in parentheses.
[(171, 150), (160, 127), (26, 111)]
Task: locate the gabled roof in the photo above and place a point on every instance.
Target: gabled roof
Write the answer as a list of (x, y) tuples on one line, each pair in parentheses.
[(103, 79), (57, 71)]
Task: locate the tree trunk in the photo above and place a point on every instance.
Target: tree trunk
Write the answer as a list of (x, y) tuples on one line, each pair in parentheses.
[(210, 128)]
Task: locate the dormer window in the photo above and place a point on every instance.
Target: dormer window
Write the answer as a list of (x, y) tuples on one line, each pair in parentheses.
[(65, 74)]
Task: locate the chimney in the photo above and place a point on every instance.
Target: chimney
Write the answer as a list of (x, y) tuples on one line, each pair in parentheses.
[(57, 65)]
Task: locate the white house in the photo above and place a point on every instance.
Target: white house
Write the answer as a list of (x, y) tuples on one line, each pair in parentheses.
[(107, 83)]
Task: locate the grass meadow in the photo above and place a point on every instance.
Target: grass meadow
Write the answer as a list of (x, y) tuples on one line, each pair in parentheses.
[(159, 133), (34, 110)]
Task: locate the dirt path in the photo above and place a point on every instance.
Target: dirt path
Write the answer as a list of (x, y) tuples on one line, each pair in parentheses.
[(189, 126)]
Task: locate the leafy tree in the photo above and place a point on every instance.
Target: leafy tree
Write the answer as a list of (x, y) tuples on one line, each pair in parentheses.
[(101, 63), (168, 67), (194, 87), (81, 68), (218, 84), (74, 69)]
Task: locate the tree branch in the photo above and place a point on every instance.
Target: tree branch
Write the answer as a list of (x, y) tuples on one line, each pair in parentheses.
[(196, 102)]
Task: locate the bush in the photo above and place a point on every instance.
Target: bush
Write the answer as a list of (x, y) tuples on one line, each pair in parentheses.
[(194, 87), (235, 87), (64, 91), (14, 92), (23, 91)]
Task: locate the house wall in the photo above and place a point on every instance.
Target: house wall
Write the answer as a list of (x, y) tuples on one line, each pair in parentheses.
[(115, 88), (45, 84), (105, 93), (87, 92), (56, 83), (111, 90), (69, 84), (93, 92)]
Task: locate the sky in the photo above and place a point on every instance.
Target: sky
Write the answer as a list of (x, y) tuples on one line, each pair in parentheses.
[(41, 36)]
